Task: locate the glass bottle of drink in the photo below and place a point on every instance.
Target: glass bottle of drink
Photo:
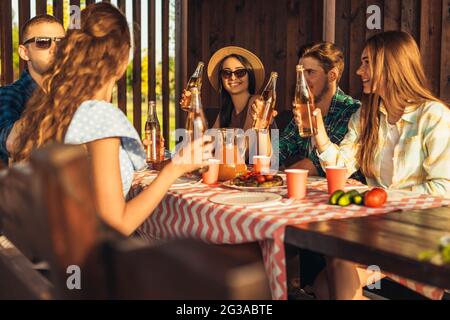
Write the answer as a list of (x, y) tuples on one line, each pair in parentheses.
[(196, 123), (194, 81), (304, 105), (269, 97), (153, 135)]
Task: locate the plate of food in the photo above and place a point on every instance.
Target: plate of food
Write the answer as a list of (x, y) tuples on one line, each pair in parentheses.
[(253, 181)]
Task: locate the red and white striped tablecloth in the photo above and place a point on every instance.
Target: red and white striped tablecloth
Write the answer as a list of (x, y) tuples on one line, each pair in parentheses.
[(187, 213)]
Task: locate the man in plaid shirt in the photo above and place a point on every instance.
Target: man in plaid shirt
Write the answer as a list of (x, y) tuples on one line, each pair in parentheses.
[(38, 47), (324, 64)]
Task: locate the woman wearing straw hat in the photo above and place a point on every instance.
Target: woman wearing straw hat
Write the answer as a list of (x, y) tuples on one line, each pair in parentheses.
[(237, 75)]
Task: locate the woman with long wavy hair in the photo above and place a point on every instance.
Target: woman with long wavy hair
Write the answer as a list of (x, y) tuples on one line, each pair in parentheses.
[(74, 108), (400, 138)]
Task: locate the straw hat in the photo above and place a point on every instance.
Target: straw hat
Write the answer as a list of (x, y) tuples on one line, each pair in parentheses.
[(214, 65)]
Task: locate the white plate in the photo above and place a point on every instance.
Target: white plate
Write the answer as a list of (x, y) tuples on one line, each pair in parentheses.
[(179, 183), (245, 198)]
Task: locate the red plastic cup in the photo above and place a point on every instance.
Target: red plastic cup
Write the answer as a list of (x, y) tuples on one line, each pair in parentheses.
[(212, 175), (296, 183), (261, 164), (336, 178)]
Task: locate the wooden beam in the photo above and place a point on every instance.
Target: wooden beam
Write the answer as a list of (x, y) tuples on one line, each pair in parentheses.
[(329, 20), (58, 10), (122, 83), (410, 18), (41, 7), (430, 41), (24, 16), (165, 70), (380, 4), (445, 53), (75, 3), (342, 38), (151, 50), (357, 37), (181, 64), (7, 72), (392, 15), (137, 67)]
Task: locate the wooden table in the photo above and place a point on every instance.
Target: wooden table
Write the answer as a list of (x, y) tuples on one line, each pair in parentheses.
[(391, 241)]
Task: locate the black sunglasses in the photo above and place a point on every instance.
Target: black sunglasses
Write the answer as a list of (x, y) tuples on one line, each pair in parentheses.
[(43, 42), (239, 73)]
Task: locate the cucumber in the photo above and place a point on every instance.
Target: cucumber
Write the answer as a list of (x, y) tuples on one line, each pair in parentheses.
[(335, 196), (358, 199), (345, 199)]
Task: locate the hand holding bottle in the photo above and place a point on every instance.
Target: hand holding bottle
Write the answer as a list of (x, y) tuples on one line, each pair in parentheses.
[(257, 108)]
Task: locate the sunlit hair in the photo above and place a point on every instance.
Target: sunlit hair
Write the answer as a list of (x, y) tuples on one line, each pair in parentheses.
[(226, 104), (398, 77), (327, 54), (85, 61)]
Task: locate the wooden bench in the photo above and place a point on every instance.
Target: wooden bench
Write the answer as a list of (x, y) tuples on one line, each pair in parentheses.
[(51, 216)]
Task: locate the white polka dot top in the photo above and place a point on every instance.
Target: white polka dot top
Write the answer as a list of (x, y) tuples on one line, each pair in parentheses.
[(96, 120)]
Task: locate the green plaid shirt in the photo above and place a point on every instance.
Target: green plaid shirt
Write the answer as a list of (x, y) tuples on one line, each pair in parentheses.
[(336, 123)]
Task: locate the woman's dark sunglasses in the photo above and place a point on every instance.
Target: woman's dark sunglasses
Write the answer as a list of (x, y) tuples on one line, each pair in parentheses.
[(239, 73), (43, 42)]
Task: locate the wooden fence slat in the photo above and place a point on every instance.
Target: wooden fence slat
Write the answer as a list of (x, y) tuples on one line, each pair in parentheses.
[(357, 36), (380, 4), (329, 21), (137, 67), (181, 47), (410, 18), (204, 55), (430, 40), (151, 50), (75, 3), (58, 10), (7, 72), (41, 7), (392, 15), (24, 16), (294, 40), (165, 70), (445, 52), (122, 83), (342, 36)]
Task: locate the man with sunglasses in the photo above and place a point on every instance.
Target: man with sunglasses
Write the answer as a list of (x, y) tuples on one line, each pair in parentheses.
[(40, 36)]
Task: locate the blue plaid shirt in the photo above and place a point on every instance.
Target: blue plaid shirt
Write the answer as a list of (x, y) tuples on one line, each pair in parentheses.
[(336, 123), (13, 99)]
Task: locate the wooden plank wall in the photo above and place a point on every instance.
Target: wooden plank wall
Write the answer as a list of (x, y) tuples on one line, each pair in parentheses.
[(426, 20), (276, 30), (6, 50), (272, 30)]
